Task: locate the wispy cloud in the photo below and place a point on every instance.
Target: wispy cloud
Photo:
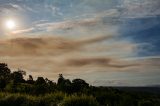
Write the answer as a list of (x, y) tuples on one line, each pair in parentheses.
[(23, 31), (101, 62), (82, 25), (44, 45), (9, 7), (140, 8)]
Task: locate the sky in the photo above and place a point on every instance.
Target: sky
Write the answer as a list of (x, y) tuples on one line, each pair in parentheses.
[(105, 42)]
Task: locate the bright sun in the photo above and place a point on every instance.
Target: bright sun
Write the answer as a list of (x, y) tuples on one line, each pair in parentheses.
[(10, 24)]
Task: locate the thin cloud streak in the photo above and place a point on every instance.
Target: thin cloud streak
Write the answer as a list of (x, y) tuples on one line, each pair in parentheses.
[(23, 31), (44, 45)]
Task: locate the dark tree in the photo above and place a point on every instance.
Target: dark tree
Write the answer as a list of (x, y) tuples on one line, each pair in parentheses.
[(51, 85), (2, 83), (4, 75), (30, 80), (30, 77), (64, 84), (79, 84), (67, 86), (40, 81), (17, 76), (60, 79), (4, 70), (40, 86)]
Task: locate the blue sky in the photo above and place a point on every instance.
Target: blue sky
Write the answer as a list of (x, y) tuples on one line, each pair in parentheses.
[(106, 42)]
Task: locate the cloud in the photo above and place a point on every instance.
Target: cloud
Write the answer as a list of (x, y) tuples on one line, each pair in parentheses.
[(44, 45), (49, 56), (87, 61), (87, 20), (23, 31), (9, 7), (151, 61), (27, 8), (141, 8), (111, 82), (101, 62), (70, 24), (103, 20), (45, 26), (65, 55)]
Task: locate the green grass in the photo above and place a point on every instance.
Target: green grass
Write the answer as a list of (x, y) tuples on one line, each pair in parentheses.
[(53, 99), (79, 100)]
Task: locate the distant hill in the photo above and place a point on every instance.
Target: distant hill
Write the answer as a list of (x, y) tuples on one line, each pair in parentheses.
[(149, 89)]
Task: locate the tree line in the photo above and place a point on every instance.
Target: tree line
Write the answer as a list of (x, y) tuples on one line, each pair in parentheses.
[(15, 82)]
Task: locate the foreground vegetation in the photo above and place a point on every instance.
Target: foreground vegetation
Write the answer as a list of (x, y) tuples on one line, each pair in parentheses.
[(16, 91)]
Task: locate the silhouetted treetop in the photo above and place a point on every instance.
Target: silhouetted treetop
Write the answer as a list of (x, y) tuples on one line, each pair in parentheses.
[(4, 70), (4, 75), (60, 79), (40, 81), (17, 76)]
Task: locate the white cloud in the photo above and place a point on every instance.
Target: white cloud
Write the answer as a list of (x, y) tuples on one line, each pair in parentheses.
[(23, 31), (86, 23), (141, 8)]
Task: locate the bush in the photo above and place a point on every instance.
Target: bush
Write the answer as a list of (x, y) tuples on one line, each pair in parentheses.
[(146, 103), (82, 100), (52, 99), (16, 100)]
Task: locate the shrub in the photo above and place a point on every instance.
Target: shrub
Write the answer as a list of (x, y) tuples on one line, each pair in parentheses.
[(82, 100), (14, 100), (52, 99), (146, 103)]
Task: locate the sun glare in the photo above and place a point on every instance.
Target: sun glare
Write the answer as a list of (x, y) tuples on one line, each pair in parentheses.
[(10, 24)]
